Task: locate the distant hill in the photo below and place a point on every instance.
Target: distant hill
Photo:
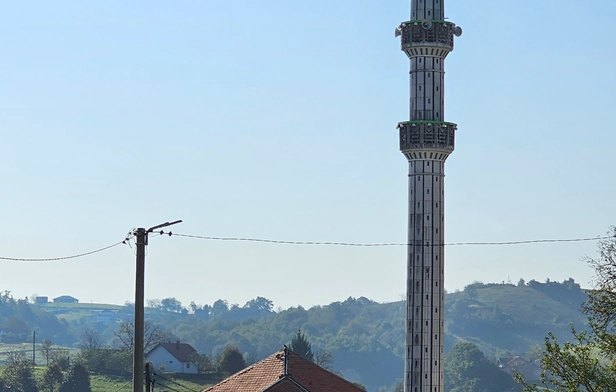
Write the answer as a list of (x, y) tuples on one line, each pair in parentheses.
[(504, 317), (366, 338)]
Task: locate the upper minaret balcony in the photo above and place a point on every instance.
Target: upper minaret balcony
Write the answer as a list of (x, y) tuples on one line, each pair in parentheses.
[(427, 37)]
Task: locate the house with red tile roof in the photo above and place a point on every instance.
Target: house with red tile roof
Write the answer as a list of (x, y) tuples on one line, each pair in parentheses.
[(173, 357), (284, 371)]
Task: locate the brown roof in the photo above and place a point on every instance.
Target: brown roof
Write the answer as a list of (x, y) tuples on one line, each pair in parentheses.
[(284, 371), (181, 351), (285, 385)]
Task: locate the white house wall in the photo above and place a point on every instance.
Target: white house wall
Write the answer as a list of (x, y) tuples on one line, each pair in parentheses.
[(160, 356)]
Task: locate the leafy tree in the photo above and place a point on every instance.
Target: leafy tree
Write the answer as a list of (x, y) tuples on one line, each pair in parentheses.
[(153, 303), (360, 385), (471, 291), (61, 356), (106, 361), (260, 306), (219, 308), (77, 380), (171, 305), (15, 325), (52, 378), (231, 360), (468, 370), (46, 350), (18, 376), (203, 361), (588, 363), (301, 346)]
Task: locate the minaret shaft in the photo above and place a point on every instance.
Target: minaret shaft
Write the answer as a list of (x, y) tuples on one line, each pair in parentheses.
[(426, 140), (427, 9)]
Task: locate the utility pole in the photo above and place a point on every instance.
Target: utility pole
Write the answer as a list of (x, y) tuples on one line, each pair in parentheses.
[(142, 241), (141, 235), (148, 380), (33, 348)]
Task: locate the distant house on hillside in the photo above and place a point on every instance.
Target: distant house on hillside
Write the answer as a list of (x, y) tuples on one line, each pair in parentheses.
[(65, 299), (284, 371), (175, 357), (41, 300)]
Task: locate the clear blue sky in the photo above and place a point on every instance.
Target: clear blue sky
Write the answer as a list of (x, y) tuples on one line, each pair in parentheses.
[(276, 119)]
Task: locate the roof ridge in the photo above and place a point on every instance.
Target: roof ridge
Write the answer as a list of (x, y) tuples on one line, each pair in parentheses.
[(289, 378), (246, 369)]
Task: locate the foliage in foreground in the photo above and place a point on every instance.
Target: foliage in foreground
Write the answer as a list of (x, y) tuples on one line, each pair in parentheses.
[(77, 380), (19, 377), (588, 362), (468, 370), (301, 346), (231, 360)]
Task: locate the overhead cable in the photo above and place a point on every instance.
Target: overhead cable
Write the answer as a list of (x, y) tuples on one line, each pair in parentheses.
[(176, 383), (359, 244), (65, 257)]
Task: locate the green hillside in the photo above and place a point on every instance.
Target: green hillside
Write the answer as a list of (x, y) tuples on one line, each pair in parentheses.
[(365, 338), (504, 317)]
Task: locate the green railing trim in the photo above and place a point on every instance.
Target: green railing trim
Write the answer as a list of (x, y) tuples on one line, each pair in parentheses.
[(433, 21), (428, 122)]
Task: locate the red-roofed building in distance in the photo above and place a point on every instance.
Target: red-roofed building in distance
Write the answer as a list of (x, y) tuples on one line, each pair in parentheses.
[(284, 371)]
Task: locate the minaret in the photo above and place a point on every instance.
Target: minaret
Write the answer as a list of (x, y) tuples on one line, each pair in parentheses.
[(426, 141)]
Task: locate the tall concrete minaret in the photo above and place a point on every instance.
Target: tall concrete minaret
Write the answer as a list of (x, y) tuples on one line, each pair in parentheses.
[(426, 141)]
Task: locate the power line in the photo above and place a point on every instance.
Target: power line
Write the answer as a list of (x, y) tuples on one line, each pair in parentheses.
[(307, 243), (66, 257), (167, 387), (355, 244), (173, 382), (123, 386)]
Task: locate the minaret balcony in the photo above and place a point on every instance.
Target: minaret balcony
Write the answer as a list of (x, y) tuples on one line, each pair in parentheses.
[(427, 136), (426, 38)]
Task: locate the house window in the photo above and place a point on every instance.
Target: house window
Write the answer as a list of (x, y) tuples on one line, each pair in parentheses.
[(188, 366)]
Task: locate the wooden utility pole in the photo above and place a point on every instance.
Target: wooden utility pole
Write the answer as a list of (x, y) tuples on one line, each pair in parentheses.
[(141, 236), (148, 380), (142, 240)]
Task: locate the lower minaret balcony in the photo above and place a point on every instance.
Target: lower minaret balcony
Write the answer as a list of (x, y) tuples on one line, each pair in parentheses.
[(427, 38), (427, 136)]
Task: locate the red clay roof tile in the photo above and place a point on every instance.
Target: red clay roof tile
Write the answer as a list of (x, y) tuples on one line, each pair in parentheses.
[(285, 370)]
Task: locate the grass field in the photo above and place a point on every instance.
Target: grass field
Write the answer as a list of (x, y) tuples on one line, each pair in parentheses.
[(72, 312), (168, 383), (108, 384)]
